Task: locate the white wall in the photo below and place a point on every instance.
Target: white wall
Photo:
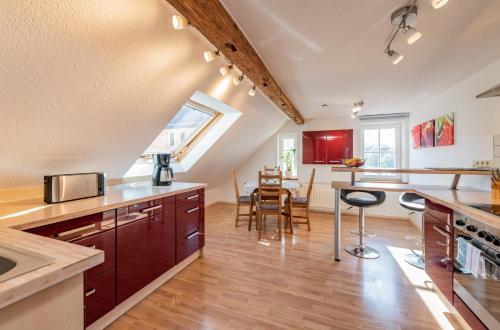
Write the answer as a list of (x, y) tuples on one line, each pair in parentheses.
[(88, 85), (476, 121)]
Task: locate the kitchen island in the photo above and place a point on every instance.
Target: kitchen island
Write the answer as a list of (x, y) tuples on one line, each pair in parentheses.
[(75, 234)]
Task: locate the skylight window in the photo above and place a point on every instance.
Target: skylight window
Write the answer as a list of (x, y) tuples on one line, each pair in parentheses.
[(182, 131)]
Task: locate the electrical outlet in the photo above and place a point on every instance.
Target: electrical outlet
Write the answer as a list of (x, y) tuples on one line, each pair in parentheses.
[(481, 163)]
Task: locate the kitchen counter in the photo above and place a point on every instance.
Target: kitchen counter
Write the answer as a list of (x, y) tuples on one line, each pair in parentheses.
[(454, 199), (70, 259)]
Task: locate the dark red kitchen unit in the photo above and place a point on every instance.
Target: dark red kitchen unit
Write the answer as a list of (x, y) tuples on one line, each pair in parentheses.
[(327, 147), (438, 232), (190, 223), (469, 317)]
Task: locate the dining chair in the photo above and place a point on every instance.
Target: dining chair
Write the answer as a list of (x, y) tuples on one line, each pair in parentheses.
[(268, 201), (302, 204), (242, 201), (271, 170)]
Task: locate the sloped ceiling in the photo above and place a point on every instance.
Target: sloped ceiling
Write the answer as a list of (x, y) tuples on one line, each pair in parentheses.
[(332, 51), (88, 85)]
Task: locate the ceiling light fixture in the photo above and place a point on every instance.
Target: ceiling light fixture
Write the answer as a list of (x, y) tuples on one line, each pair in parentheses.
[(358, 106), (353, 115), (210, 55), (225, 69), (252, 91), (404, 19), (438, 3), (179, 22), (238, 79)]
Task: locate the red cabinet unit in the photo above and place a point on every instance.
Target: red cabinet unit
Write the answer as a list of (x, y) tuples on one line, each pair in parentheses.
[(327, 147), (467, 314), (438, 231), (190, 224), (99, 296)]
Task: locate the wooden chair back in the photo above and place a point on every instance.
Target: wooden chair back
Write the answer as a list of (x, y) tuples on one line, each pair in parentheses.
[(271, 170), (270, 188), (235, 183), (311, 182)]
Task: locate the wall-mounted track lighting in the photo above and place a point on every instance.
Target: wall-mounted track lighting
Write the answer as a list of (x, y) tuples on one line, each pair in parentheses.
[(238, 79), (225, 69), (438, 3), (353, 116), (252, 91), (210, 55), (358, 106), (179, 22)]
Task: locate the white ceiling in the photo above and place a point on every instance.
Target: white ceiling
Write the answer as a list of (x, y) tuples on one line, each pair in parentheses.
[(332, 51)]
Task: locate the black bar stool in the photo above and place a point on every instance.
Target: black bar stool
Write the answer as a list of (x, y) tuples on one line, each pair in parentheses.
[(415, 203), (362, 199)]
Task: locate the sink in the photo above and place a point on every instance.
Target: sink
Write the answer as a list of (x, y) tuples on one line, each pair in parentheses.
[(16, 261), (6, 264)]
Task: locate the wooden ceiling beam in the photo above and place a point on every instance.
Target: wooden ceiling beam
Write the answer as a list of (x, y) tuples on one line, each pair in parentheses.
[(214, 22)]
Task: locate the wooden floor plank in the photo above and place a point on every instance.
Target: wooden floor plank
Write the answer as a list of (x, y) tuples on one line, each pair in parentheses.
[(240, 284)]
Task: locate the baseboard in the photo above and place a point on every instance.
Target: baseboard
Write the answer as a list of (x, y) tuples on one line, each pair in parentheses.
[(121, 309), (460, 320)]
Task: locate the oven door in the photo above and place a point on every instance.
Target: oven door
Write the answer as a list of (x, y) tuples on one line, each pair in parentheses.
[(476, 278)]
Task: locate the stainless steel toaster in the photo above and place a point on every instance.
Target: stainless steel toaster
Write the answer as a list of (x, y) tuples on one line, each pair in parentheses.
[(68, 187)]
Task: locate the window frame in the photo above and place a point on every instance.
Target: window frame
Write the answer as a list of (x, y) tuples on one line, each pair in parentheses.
[(399, 156), (281, 138)]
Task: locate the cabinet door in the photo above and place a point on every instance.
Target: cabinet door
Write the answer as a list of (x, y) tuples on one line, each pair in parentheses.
[(145, 251), (319, 147), (439, 251), (307, 148), (467, 314), (339, 146), (100, 296), (104, 241)]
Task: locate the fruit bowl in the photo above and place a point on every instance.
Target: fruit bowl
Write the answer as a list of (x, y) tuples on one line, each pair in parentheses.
[(353, 162)]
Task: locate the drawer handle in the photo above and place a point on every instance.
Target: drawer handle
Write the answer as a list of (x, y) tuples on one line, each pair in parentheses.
[(197, 233), (319, 161), (441, 231), (193, 196), (152, 208), (89, 293), (443, 244), (194, 209)]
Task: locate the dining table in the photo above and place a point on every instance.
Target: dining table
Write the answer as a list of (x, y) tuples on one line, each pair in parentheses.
[(293, 186)]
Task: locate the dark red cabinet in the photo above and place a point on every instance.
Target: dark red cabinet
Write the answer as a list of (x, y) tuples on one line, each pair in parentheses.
[(99, 296), (467, 314), (190, 224), (438, 231), (145, 250), (105, 241), (327, 147)]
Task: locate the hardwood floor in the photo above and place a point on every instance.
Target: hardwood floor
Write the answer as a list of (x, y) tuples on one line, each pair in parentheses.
[(241, 284)]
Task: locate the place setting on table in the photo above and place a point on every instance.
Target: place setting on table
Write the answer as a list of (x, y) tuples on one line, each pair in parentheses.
[(273, 194)]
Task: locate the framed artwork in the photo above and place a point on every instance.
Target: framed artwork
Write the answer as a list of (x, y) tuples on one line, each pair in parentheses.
[(445, 130), (416, 136), (428, 134)]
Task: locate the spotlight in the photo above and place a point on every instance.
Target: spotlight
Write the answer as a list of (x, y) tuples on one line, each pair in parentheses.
[(237, 80), (210, 55), (438, 3), (353, 115), (394, 56), (412, 34), (179, 22), (252, 90), (357, 107), (225, 70)]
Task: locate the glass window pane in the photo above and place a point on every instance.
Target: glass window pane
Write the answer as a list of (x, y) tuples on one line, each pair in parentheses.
[(371, 159), (185, 124), (288, 144), (370, 140), (387, 139), (387, 160)]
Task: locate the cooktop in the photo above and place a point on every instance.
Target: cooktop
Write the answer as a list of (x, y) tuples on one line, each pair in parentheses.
[(489, 208)]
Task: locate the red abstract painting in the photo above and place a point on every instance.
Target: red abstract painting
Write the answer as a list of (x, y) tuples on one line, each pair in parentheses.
[(445, 130), (416, 136), (428, 134)]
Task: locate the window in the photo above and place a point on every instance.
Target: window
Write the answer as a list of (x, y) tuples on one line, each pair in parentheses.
[(287, 152), (381, 148), (182, 131)]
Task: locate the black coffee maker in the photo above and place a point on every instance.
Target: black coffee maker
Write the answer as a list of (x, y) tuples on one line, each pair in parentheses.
[(163, 175)]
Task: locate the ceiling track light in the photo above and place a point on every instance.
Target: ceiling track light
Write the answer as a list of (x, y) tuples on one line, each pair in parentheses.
[(438, 3), (394, 56), (225, 69), (354, 115), (252, 91), (238, 79), (404, 19), (210, 55), (358, 106), (179, 22)]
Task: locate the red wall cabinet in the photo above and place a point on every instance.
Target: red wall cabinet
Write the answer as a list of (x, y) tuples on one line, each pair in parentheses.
[(438, 231), (327, 147)]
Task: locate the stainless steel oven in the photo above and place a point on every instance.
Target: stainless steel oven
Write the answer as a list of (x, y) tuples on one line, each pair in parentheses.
[(476, 278)]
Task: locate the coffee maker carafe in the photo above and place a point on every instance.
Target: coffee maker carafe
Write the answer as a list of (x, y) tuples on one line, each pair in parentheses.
[(163, 174)]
